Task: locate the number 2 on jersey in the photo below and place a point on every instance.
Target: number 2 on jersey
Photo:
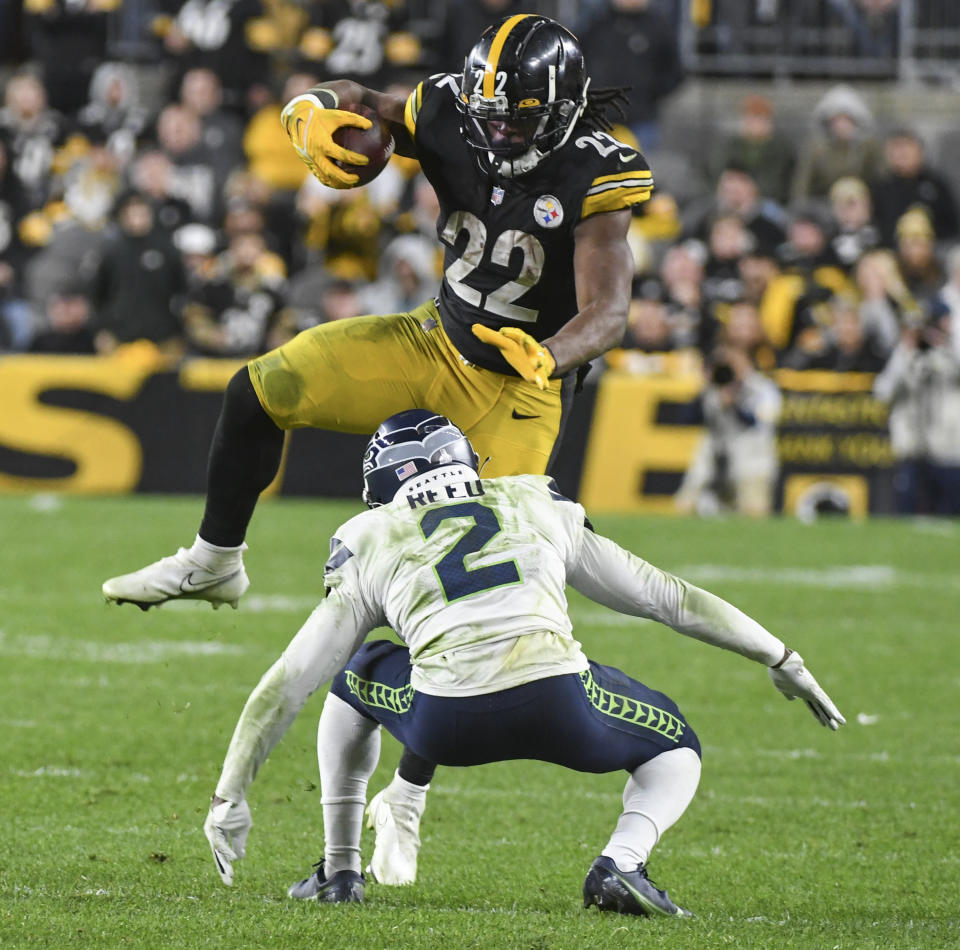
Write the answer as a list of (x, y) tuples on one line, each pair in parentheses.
[(456, 579), (501, 300)]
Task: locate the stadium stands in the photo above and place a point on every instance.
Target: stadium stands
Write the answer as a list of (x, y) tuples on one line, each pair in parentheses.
[(805, 217)]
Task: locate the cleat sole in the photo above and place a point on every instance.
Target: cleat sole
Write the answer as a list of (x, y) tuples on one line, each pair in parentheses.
[(147, 604), (142, 604)]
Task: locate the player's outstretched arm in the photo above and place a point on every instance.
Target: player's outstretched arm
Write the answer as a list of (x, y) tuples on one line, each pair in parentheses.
[(321, 648), (603, 271), (616, 578)]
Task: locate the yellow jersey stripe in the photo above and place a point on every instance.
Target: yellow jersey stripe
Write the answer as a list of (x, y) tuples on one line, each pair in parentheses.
[(412, 109), (634, 181), (493, 57), (620, 176), (613, 200)]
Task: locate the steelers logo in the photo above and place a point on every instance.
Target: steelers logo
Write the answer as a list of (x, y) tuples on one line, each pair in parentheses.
[(548, 212)]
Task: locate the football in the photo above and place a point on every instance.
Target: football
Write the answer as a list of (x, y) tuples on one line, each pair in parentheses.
[(376, 143)]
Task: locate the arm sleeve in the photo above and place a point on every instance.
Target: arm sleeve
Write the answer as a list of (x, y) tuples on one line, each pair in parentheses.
[(321, 648), (623, 184), (611, 576)]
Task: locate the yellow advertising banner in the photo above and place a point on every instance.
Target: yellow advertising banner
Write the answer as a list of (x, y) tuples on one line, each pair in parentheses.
[(627, 442), (105, 454), (832, 432), (99, 425)]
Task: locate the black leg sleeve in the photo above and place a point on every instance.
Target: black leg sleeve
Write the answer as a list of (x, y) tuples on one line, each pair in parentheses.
[(244, 458), (414, 769)]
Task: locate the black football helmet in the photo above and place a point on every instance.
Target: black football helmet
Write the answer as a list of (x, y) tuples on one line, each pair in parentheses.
[(410, 443), (523, 88)]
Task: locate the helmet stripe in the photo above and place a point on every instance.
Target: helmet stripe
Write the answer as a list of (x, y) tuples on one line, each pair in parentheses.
[(493, 57)]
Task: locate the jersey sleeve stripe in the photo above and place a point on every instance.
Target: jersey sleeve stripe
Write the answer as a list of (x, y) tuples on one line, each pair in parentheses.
[(622, 176), (613, 200), (412, 109), (634, 182), (493, 57)]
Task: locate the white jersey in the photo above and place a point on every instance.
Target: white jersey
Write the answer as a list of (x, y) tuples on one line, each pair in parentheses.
[(471, 574)]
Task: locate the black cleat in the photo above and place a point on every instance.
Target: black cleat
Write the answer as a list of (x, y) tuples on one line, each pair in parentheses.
[(345, 887), (626, 892)]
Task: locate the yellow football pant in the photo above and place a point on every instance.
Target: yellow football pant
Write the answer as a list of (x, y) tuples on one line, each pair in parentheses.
[(350, 375)]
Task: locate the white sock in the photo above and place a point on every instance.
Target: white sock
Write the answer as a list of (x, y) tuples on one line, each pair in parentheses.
[(402, 792), (348, 748), (215, 558), (656, 795)]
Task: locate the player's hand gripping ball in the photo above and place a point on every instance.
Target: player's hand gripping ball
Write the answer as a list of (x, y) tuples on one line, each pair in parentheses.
[(375, 142)]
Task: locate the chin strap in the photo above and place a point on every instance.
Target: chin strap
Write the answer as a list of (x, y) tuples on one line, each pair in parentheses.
[(527, 162)]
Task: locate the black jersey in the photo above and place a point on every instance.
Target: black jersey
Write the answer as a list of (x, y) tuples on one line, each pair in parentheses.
[(508, 258)]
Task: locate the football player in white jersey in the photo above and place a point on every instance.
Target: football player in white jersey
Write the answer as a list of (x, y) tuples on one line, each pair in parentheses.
[(471, 573)]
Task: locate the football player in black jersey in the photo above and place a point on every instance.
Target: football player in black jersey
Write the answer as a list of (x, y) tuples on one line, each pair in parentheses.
[(535, 198)]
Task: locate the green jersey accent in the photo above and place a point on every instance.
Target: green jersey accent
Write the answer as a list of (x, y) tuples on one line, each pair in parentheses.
[(618, 706), (379, 695)]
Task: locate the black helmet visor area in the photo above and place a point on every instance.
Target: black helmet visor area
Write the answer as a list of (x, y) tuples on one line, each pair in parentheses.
[(506, 133), (522, 87)]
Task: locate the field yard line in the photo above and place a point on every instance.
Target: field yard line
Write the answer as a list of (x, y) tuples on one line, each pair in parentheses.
[(882, 756), (257, 603), (937, 526), (288, 603), (777, 801), (836, 577), (49, 771), (46, 647)]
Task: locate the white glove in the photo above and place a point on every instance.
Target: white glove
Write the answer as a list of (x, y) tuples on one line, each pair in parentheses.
[(226, 828), (794, 680)]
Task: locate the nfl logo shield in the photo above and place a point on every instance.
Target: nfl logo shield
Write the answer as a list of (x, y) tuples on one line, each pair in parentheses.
[(405, 471), (548, 212), (496, 196)]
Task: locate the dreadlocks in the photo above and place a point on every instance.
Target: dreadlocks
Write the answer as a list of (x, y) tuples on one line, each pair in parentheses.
[(599, 101)]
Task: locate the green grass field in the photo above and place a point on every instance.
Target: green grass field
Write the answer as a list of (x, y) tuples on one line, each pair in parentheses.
[(115, 722)]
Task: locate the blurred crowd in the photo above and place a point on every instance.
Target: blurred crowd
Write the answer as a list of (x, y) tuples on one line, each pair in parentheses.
[(841, 254), (856, 37), (149, 197)]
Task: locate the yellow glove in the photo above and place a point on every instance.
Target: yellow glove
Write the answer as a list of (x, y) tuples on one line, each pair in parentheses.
[(532, 360), (310, 128)]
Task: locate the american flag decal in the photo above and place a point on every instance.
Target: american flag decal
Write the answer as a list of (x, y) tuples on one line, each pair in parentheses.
[(405, 471)]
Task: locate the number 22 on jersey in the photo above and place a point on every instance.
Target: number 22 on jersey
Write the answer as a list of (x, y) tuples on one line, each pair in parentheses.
[(499, 301)]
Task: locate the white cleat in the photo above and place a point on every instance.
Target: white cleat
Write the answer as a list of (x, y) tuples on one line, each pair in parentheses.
[(397, 827), (177, 577)]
